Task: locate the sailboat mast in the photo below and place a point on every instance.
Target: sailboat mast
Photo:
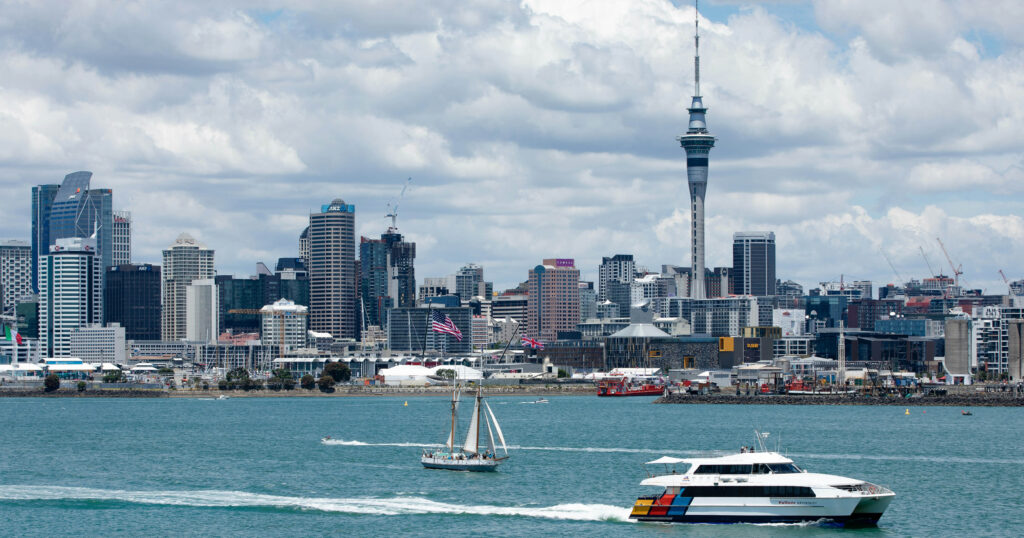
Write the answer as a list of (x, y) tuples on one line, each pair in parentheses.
[(479, 397), (451, 436)]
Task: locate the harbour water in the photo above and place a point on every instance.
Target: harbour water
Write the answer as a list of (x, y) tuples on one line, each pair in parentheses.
[(257, 466)]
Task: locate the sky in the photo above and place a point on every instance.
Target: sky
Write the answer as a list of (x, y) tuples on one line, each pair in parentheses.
[(859, 131)]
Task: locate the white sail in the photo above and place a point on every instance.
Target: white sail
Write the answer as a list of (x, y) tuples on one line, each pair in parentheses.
[(497, 428), (470, 446), (455, 409), (490, 437)]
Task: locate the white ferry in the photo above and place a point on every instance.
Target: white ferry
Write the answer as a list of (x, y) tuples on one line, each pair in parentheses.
[(757, 486)]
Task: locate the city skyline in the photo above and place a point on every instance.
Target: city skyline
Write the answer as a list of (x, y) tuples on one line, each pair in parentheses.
[(848, 130)]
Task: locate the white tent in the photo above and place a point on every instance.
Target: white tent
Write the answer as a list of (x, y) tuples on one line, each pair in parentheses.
[(108, 367), (406, 374), (462, 373)]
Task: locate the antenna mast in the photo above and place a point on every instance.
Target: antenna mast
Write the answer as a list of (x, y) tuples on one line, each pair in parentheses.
[(696, 47)]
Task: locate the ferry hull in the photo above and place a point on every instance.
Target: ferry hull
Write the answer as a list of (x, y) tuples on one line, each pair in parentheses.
[(854, 520), (846, 511)]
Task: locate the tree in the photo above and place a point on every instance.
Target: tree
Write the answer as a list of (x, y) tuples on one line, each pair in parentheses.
[(446, 373), (115, 376), (238, 374), (251, 384), (51, 383), (326, 383), (308, 382), (165, 371), (281, 379), (339, 371), (81, 386), (562, 373)]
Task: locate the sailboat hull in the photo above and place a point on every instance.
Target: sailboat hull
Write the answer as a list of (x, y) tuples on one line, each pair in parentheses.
[(471, 464)]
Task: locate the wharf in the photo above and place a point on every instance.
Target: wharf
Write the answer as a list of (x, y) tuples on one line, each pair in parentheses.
[(958, 399)]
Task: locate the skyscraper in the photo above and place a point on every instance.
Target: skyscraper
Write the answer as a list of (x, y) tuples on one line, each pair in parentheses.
[(80, 211), (122, 238), (201, 311), (184, 261), (42, 204), (753, 263), (618, 268), (387, 277), (698, 143), (131, 298), (553, 301), (15, 274), (468, 281), (332, 270), (70, 296)]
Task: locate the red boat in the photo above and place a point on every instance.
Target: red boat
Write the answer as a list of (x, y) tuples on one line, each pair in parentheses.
[(625, 386)]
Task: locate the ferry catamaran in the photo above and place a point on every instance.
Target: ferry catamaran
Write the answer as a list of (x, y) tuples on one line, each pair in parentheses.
[(469, 457), (757, 486)]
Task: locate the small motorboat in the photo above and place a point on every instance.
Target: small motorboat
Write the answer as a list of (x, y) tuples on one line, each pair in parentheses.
[(223, 397), (540, 400), (966, 413)]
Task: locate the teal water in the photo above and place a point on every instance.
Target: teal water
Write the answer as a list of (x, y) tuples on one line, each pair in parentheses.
[(250, 466)]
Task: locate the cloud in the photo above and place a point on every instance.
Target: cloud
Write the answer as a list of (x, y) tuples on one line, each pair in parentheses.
[(532, 129)]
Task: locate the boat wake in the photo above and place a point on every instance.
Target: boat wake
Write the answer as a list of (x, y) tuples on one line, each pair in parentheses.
[(661, 451), (393, 506)]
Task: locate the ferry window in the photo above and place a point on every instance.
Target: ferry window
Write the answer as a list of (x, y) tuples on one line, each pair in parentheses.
[(783, 468), (761, 468), (724, 469)]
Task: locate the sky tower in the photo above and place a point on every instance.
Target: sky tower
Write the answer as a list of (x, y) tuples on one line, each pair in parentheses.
[(698, 143)]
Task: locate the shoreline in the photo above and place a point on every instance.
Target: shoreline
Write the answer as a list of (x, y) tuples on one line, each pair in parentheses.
[(986, 399), (339, 392)]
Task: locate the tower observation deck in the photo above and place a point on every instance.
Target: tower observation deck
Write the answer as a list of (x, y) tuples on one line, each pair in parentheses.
[(698, 143)]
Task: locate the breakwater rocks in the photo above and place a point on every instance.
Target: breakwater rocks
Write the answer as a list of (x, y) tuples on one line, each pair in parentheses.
[(981, 399)]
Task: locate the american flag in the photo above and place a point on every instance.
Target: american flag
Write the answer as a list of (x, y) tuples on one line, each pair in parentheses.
[(441, 323), (532, 342)]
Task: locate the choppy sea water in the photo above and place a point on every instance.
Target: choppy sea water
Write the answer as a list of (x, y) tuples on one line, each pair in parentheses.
[(250, 466)]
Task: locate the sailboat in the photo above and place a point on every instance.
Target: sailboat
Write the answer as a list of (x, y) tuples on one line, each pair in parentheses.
[(471, 456)]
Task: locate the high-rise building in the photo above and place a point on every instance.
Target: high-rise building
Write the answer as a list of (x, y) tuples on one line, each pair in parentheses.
[(201, 311), (726, 316), (42, 204), (513, 307), (81, 211), (287, 317), (387, 277), (131, 298), (588, 301), (184, 261), (304, 246), (553, 302), (618, 268), (15, 274), (122, 238), (410, 329), (698, 143), (70, 295), (753, 263), (468, 282), (332, 270), (99, 343)]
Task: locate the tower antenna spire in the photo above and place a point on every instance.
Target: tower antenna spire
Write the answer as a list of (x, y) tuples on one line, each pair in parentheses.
[(696, 47)]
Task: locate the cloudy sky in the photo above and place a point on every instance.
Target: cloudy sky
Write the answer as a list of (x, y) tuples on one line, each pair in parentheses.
[(853, 129)]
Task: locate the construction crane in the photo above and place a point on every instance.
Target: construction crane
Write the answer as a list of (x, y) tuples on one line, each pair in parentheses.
[(1009, 287), (928, 263), (393, 207), (899, 279), (957, 270), (280, 314)]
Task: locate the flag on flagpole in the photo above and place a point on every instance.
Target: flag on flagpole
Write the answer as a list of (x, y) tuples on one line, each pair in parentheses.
[(532, 342), (441, 323), (12, 334)]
